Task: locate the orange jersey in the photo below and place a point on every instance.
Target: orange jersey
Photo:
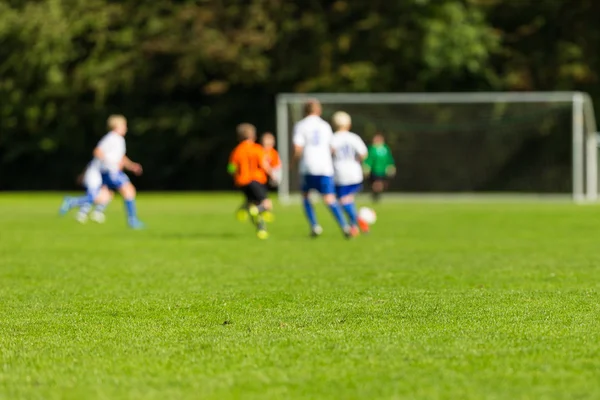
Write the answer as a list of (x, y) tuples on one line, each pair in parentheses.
[(247, 158), (273, 158)]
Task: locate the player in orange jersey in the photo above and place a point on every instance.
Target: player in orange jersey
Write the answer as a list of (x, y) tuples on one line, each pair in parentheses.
[(267, 140), (250, 170)]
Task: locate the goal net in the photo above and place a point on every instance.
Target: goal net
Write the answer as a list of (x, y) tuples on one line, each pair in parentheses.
[(527, 143)]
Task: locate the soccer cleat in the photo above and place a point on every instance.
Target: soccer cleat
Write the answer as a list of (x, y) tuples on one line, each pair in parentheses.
[(262, 234), (81, 217), (241, 215), (316, 231), (135, 223), (348, 233), (363, 225), (98, 217), (354, 231), (66, 205)]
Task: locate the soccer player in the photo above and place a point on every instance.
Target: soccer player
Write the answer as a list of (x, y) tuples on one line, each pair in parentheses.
[(312, 146), (267, 141), (250, 171), (349, 151), (110, 154), (379, 166)]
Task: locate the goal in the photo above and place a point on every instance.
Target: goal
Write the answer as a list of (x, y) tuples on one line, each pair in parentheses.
[(444, 143)]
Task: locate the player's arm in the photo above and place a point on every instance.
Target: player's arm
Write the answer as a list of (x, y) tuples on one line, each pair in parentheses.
[(232, 165), (98, 153), (390, 170), (129, 165), (299, 143), (263, 161), (361, 149), (368, 162)]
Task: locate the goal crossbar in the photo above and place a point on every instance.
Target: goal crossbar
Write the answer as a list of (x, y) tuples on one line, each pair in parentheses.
[(584, 129)]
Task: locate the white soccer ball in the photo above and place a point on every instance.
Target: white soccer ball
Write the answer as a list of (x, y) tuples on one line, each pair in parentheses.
[(368, 215)]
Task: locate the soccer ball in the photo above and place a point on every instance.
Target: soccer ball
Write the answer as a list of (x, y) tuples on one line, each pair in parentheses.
[(368, 215)]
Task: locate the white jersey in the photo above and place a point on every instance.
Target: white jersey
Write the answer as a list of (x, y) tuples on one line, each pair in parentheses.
[(314, 135), (92, 178), (348, 148), (112, 146)]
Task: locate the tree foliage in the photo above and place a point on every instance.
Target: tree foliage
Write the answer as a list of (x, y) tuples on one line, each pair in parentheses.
[(186, 72)]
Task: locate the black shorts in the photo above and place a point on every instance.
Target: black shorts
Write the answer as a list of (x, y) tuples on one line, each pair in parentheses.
[(255, 192), (378, 178)]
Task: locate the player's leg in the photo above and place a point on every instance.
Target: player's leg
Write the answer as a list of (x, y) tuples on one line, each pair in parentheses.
[(377, 186), (69, 203), (327, 189), (84, 209), (101, 201), (241, 213), (346, 195), (309, 183), (121, 182), (256, 195)]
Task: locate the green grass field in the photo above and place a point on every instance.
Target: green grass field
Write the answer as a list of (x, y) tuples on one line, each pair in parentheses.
[(441, 301)]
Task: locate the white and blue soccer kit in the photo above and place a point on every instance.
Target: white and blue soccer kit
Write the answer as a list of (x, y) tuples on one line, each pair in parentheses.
[(348, 150), (113, 149), (313, 135)]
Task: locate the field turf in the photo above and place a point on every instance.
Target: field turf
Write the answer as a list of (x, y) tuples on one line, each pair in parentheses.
[(441, 301)]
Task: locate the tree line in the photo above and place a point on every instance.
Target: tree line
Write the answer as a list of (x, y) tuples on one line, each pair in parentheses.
[(185, 73)]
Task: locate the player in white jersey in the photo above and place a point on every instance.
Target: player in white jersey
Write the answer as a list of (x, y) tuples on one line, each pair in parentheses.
[(349, 150), (312, 143), (111, 158)]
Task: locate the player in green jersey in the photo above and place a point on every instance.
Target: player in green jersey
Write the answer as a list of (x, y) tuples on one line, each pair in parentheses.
[(379, 166)]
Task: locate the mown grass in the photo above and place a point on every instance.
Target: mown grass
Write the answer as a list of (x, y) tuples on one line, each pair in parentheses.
[(441, 301)]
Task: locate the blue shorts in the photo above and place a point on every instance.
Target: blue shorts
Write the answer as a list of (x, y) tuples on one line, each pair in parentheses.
[(345, 190), (114, 180), (322, 184)]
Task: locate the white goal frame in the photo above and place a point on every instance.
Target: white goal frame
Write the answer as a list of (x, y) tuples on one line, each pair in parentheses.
[(584, 130)]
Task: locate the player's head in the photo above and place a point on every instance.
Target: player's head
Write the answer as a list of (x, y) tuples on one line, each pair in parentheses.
[(341, 121), (312, 107), (267, 140), (378, 139), (118, 124), (246, 131)]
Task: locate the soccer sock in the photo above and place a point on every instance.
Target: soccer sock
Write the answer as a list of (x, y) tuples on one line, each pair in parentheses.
[(81, 201), (130, 208), (309, 211), (350, 209), (336, 210), (100, 207), (260, 225), (85, 208), (261, 209), (376, 196)]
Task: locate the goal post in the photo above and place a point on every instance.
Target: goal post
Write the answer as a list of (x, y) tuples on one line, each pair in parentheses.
[(482, 142)]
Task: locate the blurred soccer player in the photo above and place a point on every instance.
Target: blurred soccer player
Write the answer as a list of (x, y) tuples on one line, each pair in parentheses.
[(111, 158), (250, 171), (379, 166), (349, 151), (312, 144), (267, 141)]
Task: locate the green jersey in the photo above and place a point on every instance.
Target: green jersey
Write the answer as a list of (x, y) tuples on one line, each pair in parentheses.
[(379, 160)]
